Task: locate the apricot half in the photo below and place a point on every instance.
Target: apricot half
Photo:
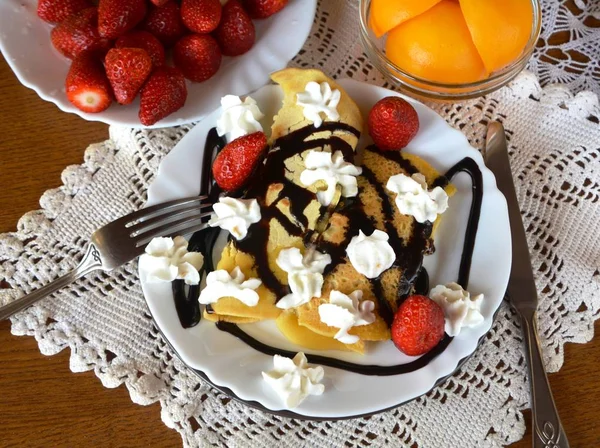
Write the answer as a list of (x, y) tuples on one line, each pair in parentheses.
[(387, 14), (500, 30), (436, 45)]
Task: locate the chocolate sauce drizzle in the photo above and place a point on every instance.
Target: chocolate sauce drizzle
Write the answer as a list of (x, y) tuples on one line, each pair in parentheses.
[(414, 277), (469, 166), (363, 369), (186, 298), (410, 258), (274, 171)]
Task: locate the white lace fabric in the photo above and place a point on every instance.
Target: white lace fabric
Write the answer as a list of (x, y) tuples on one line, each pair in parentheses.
[(554, 140)]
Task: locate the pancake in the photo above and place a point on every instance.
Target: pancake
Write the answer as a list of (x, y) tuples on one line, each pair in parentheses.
[(290, 210), (288, 324), (291, 117), (374, 210), (293, 217)]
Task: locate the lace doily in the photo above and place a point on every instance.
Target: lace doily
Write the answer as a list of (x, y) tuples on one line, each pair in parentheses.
[(103, 318), (568, 50)]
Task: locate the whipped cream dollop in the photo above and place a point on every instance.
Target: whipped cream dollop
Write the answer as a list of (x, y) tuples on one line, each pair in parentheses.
[(221, 284), (333, 170), (371, 255), (293, 380), (305, 276), (235, 215), (461, 310), (345, 312), (239, 117), (319, 99), (413, 198), (167, 259)]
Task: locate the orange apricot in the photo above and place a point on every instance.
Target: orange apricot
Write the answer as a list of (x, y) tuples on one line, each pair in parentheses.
[(373, 25), (387, 14), (500, 29), (436, 46)]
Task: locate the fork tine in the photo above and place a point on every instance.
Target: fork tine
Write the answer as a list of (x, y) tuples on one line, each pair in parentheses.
[(175, 227), (147, 224), (173, 233), (156, 210), (192, 229)]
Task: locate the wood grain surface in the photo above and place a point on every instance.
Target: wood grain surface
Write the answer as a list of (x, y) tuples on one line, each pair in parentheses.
[(44, 404)]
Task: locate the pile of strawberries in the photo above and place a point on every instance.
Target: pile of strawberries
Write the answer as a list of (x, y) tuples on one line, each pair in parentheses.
[(118, 48)]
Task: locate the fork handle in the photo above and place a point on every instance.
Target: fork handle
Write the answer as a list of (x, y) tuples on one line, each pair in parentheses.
[(90, 262), (547, 430)]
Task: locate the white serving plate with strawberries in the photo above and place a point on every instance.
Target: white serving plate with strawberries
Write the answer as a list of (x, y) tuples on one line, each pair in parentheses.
[(236, 368), (26, 46)]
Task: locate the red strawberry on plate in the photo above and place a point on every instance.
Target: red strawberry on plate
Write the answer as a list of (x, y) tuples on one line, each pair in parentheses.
[(261, 9), (145, 41), (235, 164), (165, 22), (116, 17), (201, 16), (198, 56), (55, 11), (164, 93), (418, 325), (127, 70), (235, 33), (393, 123), (78, 33), (87, 86)]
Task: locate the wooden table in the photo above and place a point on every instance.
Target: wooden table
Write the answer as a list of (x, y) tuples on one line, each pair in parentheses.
[(44, 404)]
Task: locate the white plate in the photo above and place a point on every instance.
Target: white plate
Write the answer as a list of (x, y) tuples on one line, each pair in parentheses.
[(229, 363), (26, 46)]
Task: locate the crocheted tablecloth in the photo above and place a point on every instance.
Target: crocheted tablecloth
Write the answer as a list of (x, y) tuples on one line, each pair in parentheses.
[(554, 140)]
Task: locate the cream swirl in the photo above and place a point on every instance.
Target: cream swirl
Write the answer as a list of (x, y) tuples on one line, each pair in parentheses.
[(461, 310), (221, 284), (293, 380), (346, 311), (413, 199), (305, 276), (333, 170), (371, 255), (238, 118), (235, 215), (319, 99), (167, 259)]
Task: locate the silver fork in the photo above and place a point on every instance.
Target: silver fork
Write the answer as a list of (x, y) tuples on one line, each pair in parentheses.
[(123, 240)]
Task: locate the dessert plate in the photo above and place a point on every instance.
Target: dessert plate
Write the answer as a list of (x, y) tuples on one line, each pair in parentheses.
[(235, 368), (25, 44)]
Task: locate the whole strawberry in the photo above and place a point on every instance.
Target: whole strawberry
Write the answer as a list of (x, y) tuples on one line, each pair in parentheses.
[(418, 325), (261, 9), (87, 86), (164, 93), (55, 11), (393, 123), (165, 23), (235, 33), (201, 16), (235, 164), (198, 56), (78, 33), (116, 17), (145, 41), (127, 70)]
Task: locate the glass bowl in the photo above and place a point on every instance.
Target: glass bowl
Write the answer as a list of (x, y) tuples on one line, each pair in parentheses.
[(415, 86)]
